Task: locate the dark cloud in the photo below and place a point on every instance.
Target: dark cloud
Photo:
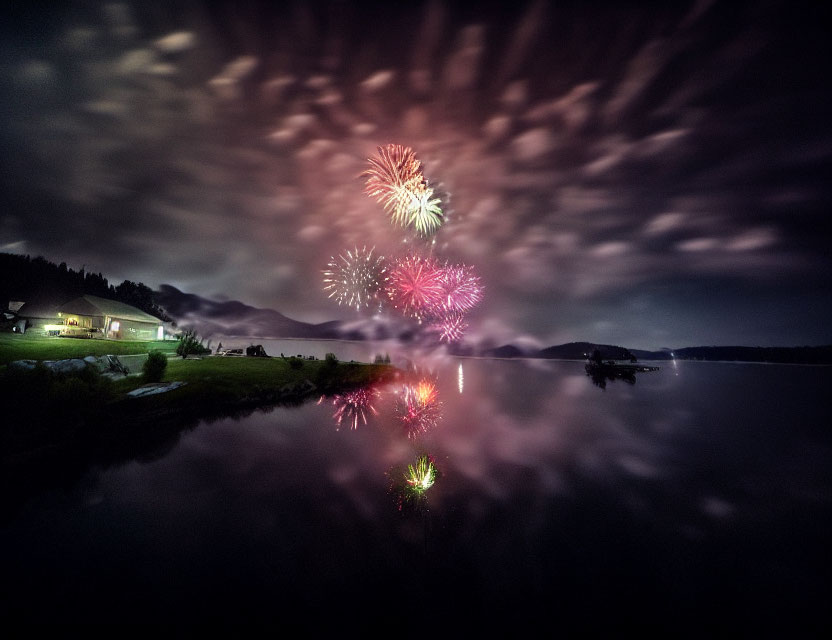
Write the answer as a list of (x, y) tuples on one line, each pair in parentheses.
[(616, 172)]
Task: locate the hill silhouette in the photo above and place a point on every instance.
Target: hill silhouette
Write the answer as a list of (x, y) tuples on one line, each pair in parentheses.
[(236, 318), (40, 280)]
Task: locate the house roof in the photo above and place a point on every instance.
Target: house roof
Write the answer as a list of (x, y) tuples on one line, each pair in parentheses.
[(38, 309), (94, 306)]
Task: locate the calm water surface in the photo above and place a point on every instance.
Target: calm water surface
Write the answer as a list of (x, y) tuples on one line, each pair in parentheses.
[(700, 495)]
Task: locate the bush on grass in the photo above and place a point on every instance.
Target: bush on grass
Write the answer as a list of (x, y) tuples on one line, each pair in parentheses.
[(190, 344), (153, 369)]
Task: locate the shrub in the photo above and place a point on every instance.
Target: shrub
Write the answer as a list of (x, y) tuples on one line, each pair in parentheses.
[(190, 344), (154, 367), (331, 359), (295, 362)]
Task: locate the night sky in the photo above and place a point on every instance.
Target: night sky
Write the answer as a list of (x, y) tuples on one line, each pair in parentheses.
[(645, 174)]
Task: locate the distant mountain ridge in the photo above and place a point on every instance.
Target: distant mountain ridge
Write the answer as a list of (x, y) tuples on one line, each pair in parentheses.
[(232, 317), (782, 355), (568, 351), (582, 350)]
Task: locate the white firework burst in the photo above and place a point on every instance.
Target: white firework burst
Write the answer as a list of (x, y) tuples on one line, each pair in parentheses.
[(357, 278)]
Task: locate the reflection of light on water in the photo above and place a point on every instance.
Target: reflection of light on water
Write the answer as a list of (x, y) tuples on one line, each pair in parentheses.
[(425, 392), (422, 477), (675, 364), (410, 486), (418, 407), (459, 377), (353, 406)]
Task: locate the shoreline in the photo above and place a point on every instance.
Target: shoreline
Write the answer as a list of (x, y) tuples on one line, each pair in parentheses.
[(360, 350), (381, 342), (45, 408)]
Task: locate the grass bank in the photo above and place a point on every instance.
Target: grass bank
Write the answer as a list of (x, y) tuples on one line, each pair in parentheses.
[(23, 346), (43, 408), (216, 383)]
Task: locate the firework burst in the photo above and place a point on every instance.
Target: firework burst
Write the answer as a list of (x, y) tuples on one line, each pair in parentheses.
[(424, 214), (414, 286), (352, 407), (451, 326), (461, 288), (395, 180), (421, 477), (357, 279), (418, 408), (409, 485)]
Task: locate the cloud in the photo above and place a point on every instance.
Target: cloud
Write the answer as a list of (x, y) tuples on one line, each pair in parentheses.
[(533, 144), (698, 244), (462, 66), (567, 175), (378, 80), (176, 42), (664, 223), (609, 249), (641, 70), (752, 240)]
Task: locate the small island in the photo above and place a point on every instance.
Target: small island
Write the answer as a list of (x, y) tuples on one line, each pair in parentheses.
[(601, 370)]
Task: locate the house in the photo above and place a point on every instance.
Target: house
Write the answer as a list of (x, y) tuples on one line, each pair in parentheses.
[(39, 316), (91, 316)]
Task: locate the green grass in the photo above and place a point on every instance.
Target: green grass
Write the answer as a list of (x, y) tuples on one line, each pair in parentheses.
[(218, 386), (216, 378), (16, 346), (211, 377), (45, 409)]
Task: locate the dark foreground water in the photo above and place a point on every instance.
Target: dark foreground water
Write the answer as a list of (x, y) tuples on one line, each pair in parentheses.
[(696, 498)]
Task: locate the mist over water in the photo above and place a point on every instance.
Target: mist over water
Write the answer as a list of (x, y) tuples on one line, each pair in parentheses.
[(696, 496)]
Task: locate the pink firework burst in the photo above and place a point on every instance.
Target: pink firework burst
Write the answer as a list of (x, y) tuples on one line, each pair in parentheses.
[(461, 288), (451, 326), (414, 286), (352, 407), (418, 407)]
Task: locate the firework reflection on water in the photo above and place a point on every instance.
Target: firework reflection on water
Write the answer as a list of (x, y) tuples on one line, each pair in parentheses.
[(418, 407), (352, 407)]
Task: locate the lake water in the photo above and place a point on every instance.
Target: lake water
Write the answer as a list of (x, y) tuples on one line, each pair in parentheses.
[(697, 498)]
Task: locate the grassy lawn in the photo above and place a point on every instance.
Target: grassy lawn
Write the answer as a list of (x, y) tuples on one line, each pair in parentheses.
[(16, 346), (215, 385), (210, 378), (43, 409), (225, 378)]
